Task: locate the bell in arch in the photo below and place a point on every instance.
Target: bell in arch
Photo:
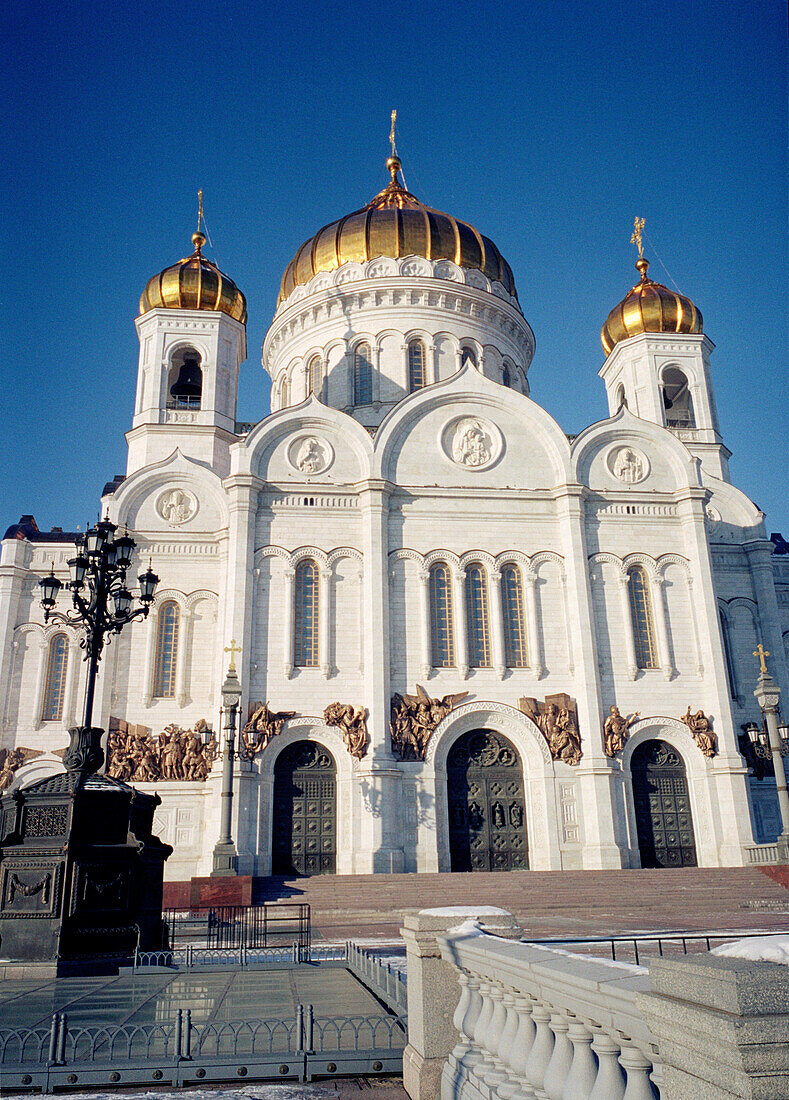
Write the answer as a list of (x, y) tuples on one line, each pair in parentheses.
[(189, 383)]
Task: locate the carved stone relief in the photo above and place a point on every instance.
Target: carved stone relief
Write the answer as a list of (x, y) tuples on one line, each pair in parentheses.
[(472, 442), (415, 717), (176, 506), (700, 727), (263, 724), (616, 730), (557, 718), (133, 755), (11, 760), (310, 455), (352, 724), (628, 465)]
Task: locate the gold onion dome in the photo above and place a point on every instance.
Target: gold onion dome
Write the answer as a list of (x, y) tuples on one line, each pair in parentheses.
[(395, 223), (194, 283), (649, 307)]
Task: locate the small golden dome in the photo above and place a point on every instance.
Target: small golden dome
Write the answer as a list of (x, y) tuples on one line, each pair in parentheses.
[(395, 223), (649, 307), (194, 283)]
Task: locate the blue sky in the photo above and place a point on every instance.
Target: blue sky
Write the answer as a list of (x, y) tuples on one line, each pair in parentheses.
[(549, 126)]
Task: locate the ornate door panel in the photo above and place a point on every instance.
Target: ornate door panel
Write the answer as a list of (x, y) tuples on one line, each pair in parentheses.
[(663, 818), (487, 819), (305, 811)]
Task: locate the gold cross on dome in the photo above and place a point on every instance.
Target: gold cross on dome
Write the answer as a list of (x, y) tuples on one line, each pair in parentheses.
[(392, 134), (638, 226), (761, 653), (199, 210), (232, 649)]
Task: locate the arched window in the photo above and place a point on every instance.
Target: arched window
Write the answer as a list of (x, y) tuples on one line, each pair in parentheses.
[(362, 375), (305, 634), (677, 400), (285, 398), (417, 374), (643, 624), (185, 382), (468, 355), (314, 378), (515, 652), (55, 684), (477, 617), (167, 626), (620, 397), (727, 653), (506, 376), (442, 639)]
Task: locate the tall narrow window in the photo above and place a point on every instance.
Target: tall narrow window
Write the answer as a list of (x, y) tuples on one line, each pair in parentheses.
[(285, 394), (506, 376), (314, 376), (362, 375), (468, 355), (477, 617), (417, 376), (727, 654), (442, 625), (643, 625), (167, 627), (515, 653), (55, 686), (305, 634)]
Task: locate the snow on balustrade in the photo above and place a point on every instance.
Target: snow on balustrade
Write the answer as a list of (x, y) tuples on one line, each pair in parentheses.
[(541, 1022)]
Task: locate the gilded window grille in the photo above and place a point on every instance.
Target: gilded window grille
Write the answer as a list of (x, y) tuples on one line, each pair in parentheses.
[(442, 640), (416, 365), (167, 630), (362, 375), (305, 634), (477, 617), (643, 623), (55, 683), (314, 379), (515, 650)]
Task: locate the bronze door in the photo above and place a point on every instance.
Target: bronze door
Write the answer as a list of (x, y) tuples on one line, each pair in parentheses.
[(305, 811), (487, 816), (663, 818)]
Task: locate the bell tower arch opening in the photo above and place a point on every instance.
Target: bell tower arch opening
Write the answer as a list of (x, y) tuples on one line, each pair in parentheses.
[(185, 380)]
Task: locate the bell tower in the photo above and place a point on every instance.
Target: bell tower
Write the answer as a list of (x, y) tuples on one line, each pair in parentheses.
[(192, 333), (658, 363)]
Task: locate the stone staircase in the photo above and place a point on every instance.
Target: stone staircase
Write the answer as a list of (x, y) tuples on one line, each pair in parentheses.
[(548, 903)]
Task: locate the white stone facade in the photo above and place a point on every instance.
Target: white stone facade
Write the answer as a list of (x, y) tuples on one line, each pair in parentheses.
[(465, 470)]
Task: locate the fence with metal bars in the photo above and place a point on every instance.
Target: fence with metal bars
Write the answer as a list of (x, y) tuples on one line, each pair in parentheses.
[(232, 926), (635, 948)]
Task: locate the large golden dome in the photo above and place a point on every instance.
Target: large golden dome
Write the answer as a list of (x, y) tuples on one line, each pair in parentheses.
[(649, 307), (194, 283), (395, 223)]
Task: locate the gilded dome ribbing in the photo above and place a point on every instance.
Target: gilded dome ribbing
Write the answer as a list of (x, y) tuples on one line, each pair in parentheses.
[(649, 307), (194, 283), (395, 223)]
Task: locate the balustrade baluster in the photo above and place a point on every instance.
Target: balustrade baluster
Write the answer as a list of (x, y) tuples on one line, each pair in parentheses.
[(561, 1059), (637, 1067), (541, 1051), (610, 1083), (583, 1071), (515, 1046), (493, 1036), (482, 1061)]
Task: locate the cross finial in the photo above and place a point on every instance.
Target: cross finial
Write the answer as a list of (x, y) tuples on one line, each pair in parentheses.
[(638, 226), (199, 210), (232, 649), (392, 134), (761, 653)]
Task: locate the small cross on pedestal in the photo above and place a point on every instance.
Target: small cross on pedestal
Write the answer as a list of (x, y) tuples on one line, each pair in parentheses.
[(232, 649), (761, 653)]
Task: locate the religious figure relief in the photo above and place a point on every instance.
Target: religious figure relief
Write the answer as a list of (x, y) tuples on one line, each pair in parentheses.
[(352, 724), (557, 718), (701, 728), (133, 756), (413, 719), (472, 444), (176, 506), (310, 458), (11, 760), (263, 724), (629, 466), (615, 730)]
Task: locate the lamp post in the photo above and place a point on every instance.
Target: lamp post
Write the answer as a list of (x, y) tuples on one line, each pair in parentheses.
[(772, 740), (225, 854), (102, 605)]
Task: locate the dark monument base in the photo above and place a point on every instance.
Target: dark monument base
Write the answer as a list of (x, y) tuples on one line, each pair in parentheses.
[(80, 869), (199, 893)]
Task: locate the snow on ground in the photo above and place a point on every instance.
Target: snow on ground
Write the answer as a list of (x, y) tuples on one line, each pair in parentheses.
[(327, 1090), (774, 949)]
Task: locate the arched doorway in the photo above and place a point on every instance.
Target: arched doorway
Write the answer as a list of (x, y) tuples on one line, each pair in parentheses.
[(487, 810), (305, 811), (662, 803)]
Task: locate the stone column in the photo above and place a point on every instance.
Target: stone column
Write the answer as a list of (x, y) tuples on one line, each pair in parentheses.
[(14, 563), (497, 624), (424, 624), (627, 626), (434, 992), (324, 622), (239, 594), (661, 628), (288, 616), (534, 640), (461, 629)]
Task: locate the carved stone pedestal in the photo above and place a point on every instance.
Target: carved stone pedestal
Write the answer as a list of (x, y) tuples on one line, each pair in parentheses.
[(80, 869)]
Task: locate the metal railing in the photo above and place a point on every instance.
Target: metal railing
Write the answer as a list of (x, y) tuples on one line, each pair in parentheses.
[(191, 956), (384, 980), (182, 1052), (234, 926), (633, 948)]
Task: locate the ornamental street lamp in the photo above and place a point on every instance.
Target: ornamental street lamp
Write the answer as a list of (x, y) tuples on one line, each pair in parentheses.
[(772, 740), (102, 602), (225, 853)]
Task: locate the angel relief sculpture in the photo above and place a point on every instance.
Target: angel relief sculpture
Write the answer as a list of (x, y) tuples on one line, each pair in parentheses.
[(414, 717), (557, 719), (352, 724), (263, 724)]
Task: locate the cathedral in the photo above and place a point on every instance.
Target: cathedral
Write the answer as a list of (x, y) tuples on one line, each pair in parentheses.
[(465, 639)]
